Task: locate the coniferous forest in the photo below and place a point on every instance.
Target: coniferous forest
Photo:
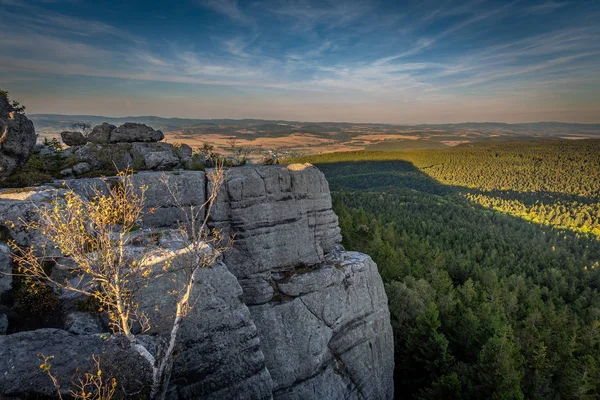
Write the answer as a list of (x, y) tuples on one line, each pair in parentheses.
[(490, 256)]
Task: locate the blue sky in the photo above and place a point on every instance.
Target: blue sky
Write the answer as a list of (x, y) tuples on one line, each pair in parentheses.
[(329, 60)]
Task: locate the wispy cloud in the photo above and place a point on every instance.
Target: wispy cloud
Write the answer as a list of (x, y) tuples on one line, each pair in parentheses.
[(424, 43), (229, 8), (305, 14), (312, 50), (546, 7)]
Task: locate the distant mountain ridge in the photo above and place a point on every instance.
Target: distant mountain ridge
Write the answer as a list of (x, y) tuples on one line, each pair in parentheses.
[(325, 136), (149, 119)]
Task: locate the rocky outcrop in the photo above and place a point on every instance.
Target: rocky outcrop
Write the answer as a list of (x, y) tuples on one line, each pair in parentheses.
[(130, 132), (101, 133), (17, 138), (321, 312), (286, 313), (135, 146), (281, 218)]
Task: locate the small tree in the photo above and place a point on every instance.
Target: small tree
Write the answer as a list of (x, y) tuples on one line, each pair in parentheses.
[(84, 127), (232, 142), (96, 234), (17, 107)]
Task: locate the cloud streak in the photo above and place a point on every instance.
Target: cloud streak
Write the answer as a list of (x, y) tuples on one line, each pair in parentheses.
[(331, 51)]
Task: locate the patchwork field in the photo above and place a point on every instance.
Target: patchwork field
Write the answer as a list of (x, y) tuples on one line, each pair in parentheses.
[(290, 138)]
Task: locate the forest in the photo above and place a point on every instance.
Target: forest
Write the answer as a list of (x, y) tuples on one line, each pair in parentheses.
[(490, 257)]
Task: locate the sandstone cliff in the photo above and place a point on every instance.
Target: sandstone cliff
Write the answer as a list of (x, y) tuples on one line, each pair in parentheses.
[(286, 314)]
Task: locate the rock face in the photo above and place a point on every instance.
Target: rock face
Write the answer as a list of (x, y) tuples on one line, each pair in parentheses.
[(321, 313), (281, 218), (286, 314), (17, 138), (219, 342)]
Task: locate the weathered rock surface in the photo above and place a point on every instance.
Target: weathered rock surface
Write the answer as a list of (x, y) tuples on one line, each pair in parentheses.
[(287, 315), (281, 217), (5, 269), (3, 324), (81, 168), (17, 138), (73, 138), (16, 206), (218, 342), (138, 156), (21, 376), (165, 191), (336, 319), (82, 323), (130, 132), (101, 133)]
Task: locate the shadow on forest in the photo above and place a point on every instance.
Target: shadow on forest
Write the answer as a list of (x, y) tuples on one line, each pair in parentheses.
[(380, 175), (395, 177), (532, 280)]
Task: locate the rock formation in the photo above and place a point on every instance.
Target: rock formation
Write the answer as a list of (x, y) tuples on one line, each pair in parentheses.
[(17, 138), (71, 138), (101, 133), (130, 133), (130, 145), (286, 314)]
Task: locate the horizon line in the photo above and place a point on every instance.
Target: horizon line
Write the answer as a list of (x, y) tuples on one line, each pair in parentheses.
[(315, 122)]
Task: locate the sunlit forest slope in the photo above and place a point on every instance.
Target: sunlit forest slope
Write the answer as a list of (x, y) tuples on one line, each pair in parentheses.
[(490, 254)]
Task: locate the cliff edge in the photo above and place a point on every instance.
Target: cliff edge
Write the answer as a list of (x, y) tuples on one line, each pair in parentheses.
[(286, 314)]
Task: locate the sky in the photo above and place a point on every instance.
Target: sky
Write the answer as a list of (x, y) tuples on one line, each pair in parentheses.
[(405, 62)]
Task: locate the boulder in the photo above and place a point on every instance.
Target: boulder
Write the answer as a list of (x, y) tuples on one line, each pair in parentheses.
[(161, 160), (17, 139), (184, 152), (81, 168), (22, 205), (106, 156), (101, 133), (131, 132), (71, 138), (67, 172)]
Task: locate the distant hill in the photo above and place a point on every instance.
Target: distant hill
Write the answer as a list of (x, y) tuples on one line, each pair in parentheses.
[(295, 137), (61, 122)]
